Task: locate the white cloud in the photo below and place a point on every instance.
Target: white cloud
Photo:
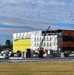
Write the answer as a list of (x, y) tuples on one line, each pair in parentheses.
[(13, 30), (35, 13), (9, 30)]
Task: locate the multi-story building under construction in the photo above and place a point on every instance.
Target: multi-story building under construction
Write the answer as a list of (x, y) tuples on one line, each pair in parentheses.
[(54, 40)]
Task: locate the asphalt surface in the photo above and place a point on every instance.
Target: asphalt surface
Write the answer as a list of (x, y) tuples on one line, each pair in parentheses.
[(19, 59)]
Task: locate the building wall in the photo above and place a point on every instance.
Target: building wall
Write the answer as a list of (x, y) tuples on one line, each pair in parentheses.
[(21, 41), (49, 43), (66, 41), (54, 40), (21, 44)]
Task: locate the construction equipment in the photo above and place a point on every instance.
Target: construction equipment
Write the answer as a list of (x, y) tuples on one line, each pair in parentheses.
[(40, 46)]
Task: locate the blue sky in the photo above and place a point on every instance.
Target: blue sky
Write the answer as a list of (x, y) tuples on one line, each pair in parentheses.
[(29, 15)]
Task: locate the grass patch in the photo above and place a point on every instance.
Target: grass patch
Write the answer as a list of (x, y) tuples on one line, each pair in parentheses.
[(38, 68)]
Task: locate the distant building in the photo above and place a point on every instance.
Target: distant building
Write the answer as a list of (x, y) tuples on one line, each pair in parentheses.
[(54, 40)]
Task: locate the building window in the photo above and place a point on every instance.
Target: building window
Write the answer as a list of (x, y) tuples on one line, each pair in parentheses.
[(47, 44), (34, 38), (37, 39), (60, 38), (40, 38), (44, 44), (37, 44), (50, 38), (47, 38), (50, 44), (34, 44)]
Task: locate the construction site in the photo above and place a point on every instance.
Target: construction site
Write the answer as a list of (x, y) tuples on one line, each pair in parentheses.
[(42, 44), (49, 52), (57, 43)]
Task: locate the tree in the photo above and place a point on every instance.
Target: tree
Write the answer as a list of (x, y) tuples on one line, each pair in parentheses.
[(1, 47), (8, 42)]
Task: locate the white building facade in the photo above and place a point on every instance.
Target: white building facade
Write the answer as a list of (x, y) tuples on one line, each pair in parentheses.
[(49, 42)]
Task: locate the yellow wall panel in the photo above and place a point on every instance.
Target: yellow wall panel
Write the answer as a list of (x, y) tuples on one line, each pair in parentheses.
[(21, 44)]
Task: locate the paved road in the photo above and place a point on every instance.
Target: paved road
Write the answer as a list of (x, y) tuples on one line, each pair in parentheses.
[(36, 59)]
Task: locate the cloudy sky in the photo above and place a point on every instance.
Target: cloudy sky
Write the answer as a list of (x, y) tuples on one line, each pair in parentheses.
[(29, 15)]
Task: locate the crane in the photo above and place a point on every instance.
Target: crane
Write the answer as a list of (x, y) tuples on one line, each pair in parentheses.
[(40, 46), (40, 49)]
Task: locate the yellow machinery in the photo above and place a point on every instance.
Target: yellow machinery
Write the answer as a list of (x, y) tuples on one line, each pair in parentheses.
[(21, 44)]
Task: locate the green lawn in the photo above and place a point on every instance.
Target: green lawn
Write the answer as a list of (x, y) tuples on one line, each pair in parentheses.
[(38, 68)]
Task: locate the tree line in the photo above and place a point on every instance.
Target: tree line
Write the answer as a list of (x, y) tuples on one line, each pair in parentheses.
[(8, 45)]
